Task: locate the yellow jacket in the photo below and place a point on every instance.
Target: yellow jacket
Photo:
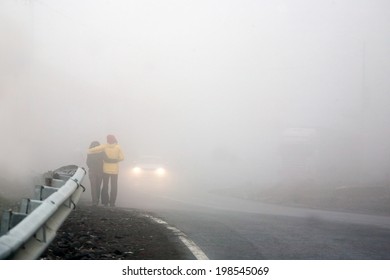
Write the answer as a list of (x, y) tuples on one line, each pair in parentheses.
[(113, 152)]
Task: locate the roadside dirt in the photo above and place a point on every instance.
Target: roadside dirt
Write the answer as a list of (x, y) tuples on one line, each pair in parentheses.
[(101, 233)]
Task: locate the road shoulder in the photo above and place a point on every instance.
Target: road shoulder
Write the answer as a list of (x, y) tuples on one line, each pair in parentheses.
[(101, 233)]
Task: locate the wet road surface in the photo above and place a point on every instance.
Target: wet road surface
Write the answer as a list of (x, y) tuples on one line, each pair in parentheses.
[(228, 228)]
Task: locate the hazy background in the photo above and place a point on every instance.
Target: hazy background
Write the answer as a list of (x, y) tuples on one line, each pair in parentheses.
[(229, 93)]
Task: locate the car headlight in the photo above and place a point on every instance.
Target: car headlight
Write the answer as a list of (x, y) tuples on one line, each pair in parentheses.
[(160, 171), (136, 170)]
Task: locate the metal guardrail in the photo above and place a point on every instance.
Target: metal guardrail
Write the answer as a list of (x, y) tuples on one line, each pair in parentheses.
[(25, 235)]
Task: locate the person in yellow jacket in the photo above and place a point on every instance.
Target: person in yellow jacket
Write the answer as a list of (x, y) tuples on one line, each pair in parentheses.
[(112, 156)]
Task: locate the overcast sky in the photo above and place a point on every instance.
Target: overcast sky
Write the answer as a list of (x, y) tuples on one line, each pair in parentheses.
[(202, 83)]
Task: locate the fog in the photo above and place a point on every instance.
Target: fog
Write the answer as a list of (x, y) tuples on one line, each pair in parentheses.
[(229, 93)]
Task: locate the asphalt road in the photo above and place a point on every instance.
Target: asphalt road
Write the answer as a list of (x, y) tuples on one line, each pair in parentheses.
[(227, 228)]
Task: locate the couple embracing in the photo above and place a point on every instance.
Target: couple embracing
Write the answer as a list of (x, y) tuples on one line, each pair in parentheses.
[(102, 162)]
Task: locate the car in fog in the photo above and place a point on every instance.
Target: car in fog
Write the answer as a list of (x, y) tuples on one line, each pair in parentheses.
[(149, 171)]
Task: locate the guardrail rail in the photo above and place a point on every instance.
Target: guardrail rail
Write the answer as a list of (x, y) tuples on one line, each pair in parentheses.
[(26, 234)]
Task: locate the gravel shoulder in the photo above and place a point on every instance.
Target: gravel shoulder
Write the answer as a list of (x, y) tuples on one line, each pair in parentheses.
[(101, 233)]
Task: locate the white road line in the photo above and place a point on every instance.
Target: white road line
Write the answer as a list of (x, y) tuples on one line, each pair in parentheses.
[(195, 250)]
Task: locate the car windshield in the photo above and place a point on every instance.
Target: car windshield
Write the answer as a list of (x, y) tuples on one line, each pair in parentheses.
[(149, 160)]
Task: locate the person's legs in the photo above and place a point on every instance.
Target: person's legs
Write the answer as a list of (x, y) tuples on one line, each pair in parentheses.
[(114, 189), (92, 180), (105, 197), (99, 179)]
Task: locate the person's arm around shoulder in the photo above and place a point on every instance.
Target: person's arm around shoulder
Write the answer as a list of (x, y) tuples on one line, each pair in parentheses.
[(97, 149)]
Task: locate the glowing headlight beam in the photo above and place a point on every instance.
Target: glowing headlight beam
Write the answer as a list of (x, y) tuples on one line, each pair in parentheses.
[(136, 170), (160, 171)]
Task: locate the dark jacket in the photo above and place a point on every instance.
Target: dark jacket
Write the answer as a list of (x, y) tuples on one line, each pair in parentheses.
[(95, 162)]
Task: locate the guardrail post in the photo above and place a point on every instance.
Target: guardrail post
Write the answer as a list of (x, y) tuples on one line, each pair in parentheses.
[(10, 219), (28, 205), (5, 221), (57, 183), (43, 192)]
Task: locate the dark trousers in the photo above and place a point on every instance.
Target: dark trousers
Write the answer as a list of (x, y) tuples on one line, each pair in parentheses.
[(109, 198), (95, 178)]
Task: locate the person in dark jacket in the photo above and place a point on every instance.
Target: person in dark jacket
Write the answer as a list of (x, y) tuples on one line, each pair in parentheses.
[(95, 172)]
